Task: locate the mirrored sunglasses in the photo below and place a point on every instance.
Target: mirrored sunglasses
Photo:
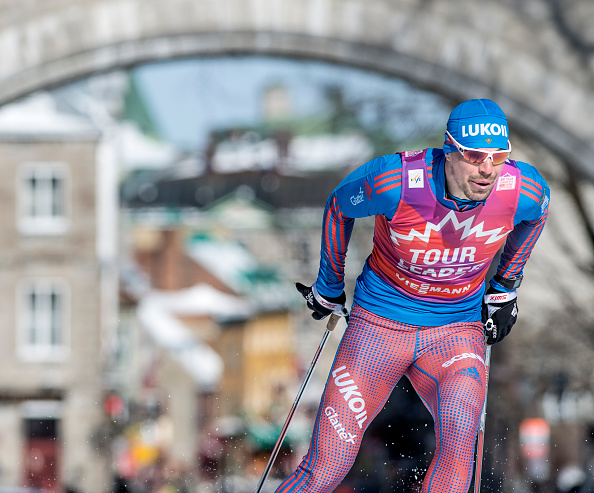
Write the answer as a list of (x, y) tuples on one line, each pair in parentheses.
[(478, 156)]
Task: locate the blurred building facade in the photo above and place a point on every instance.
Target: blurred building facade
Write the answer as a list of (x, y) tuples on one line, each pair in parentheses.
[(215, 349), (51, 387)]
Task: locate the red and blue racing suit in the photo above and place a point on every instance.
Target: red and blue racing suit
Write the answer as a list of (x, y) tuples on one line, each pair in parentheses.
[(417, 303)]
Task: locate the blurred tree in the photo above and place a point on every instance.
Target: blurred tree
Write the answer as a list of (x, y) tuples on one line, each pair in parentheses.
[(135, 109)]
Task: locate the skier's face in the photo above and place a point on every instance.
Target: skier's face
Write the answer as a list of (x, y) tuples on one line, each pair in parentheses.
[(471, 181)]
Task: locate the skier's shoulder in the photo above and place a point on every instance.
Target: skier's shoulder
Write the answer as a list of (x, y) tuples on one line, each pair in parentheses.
[(376, 176), (389, 166), (534, 192), (373, 188), (387, 175)]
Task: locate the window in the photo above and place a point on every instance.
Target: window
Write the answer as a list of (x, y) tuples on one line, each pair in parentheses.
[(42, 199), (43, 320)]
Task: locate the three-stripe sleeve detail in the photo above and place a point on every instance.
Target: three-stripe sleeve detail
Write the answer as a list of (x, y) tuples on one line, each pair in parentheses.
[(337, 229)]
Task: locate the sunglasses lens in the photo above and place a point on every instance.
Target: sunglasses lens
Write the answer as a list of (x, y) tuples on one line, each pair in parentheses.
[(475, 156), (500, 157)]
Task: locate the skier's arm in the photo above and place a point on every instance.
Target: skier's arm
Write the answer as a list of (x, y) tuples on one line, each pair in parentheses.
[(500, 301), (365, 192), (530, 219)]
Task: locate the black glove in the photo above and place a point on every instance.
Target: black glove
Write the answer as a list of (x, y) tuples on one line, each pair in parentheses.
[(502, 310), (322, 306)]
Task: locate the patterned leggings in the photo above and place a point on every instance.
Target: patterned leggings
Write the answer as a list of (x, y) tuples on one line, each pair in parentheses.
[(445, 366)]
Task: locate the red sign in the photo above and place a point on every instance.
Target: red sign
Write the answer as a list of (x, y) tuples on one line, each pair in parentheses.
[(535, 434)]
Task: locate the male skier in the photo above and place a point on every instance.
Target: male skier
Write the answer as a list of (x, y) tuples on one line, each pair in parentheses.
[(441, 215)]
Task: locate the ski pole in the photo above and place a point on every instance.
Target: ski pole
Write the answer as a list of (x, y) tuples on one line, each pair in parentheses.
[(481, 433), (329, 328)]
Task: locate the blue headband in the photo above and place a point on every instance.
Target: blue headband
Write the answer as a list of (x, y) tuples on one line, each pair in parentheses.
[(477, 123)]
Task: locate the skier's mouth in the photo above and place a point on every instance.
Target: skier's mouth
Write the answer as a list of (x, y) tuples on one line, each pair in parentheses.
[(482, 184)]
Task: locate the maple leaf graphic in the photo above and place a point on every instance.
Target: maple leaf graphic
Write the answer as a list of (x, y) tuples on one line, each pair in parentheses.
[(466, 227)]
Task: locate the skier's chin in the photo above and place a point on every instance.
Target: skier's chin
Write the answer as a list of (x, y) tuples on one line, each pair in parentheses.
[(478, 193)]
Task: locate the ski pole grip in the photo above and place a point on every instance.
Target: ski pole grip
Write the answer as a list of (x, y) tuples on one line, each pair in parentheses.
[(332, 321)]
